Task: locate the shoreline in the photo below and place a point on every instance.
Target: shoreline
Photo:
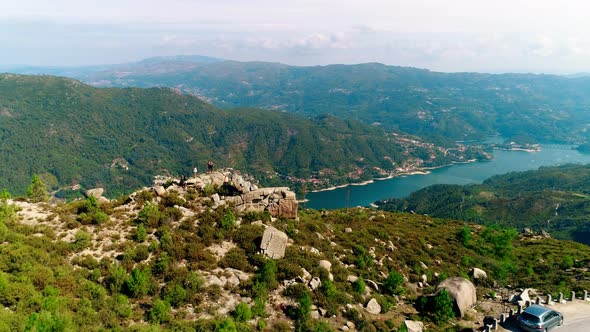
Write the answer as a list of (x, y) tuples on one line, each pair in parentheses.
[(418, 171)]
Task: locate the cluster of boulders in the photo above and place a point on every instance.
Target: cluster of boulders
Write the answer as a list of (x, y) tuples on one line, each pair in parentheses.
[(243, 192)]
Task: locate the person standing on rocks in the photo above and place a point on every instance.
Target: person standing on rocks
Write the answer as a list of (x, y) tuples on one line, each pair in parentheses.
[(195, 171), (210, 166)]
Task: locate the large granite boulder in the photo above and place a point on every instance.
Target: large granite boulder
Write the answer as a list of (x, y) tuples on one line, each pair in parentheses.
[(461, 290), (273, 243)]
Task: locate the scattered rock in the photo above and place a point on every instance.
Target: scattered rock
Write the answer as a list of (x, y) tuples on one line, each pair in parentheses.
[(352, 278), (348, 230), (273, 243), (545, 234), (372, 284), (96, 192), (214, 280), (315, 314), (527, 232), (414, 326), (305, 275), (373, 307), (478, 273), (315, 283), (324, 264)]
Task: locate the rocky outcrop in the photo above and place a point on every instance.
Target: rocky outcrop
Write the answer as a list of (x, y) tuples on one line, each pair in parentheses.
[(273, 243), (240, 191), (461, 290)]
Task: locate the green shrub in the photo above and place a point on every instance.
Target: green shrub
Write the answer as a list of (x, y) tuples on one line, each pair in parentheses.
[(174, 294), (228, 221), (140, 233), (268, 274), (160, 312), (392, 285), (236, 258), (242, 312), (359, 286), (81, 240), (209, 190), (442, 307), (120, 305), (227, 325), (248, 237), (116, 278), (150, 215), (137, 285)]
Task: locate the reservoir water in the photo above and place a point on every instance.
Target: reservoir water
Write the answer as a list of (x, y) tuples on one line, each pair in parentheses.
[(503, 162)]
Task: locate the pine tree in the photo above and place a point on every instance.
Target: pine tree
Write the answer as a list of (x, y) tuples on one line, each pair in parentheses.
[(37, 192)]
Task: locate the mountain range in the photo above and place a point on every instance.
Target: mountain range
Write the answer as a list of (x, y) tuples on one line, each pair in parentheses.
[(119, 138), (457, 106)]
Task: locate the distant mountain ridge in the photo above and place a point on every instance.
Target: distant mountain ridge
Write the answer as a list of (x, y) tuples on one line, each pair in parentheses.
[(120, 138), (457, 106)]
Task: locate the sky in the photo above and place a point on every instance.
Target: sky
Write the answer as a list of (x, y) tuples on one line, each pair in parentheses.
[(494, 36)]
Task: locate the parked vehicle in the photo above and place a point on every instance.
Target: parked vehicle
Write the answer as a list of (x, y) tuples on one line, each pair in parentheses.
[(537, 318)]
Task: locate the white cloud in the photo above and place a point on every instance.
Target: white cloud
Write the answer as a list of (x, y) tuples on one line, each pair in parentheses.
[(448, 35)]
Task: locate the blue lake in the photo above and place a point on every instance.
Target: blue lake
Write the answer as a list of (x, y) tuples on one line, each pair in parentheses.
[(503, 162)]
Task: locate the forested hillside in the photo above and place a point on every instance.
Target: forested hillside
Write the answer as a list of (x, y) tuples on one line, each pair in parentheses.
[(457, 106), (72, 133), (555, 199)]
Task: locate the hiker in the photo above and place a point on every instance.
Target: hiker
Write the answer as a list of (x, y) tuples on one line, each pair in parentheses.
[(195, 171), (183, 181), (209, 166)]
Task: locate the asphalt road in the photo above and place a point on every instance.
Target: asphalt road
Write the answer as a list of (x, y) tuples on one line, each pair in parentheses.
[(576, 316)]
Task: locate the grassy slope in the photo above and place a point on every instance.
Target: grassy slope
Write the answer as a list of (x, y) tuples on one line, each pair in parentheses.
[(45, 286)]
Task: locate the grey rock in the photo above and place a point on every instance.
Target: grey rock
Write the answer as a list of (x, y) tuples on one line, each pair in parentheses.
[(414, 326), (214, 280), (478, 273), (274, 243), (461, 290), (372, 284), (96, 192), (315, 283), (160, 191), (326, 265), (348, 230), (373, 307), (305, 275), (315, 314)]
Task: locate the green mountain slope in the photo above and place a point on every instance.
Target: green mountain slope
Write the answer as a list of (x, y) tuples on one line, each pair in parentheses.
[(556, 199), (457, 106), (120, 138)]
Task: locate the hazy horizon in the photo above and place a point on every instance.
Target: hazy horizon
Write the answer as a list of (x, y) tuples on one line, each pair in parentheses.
[(519, 36)]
